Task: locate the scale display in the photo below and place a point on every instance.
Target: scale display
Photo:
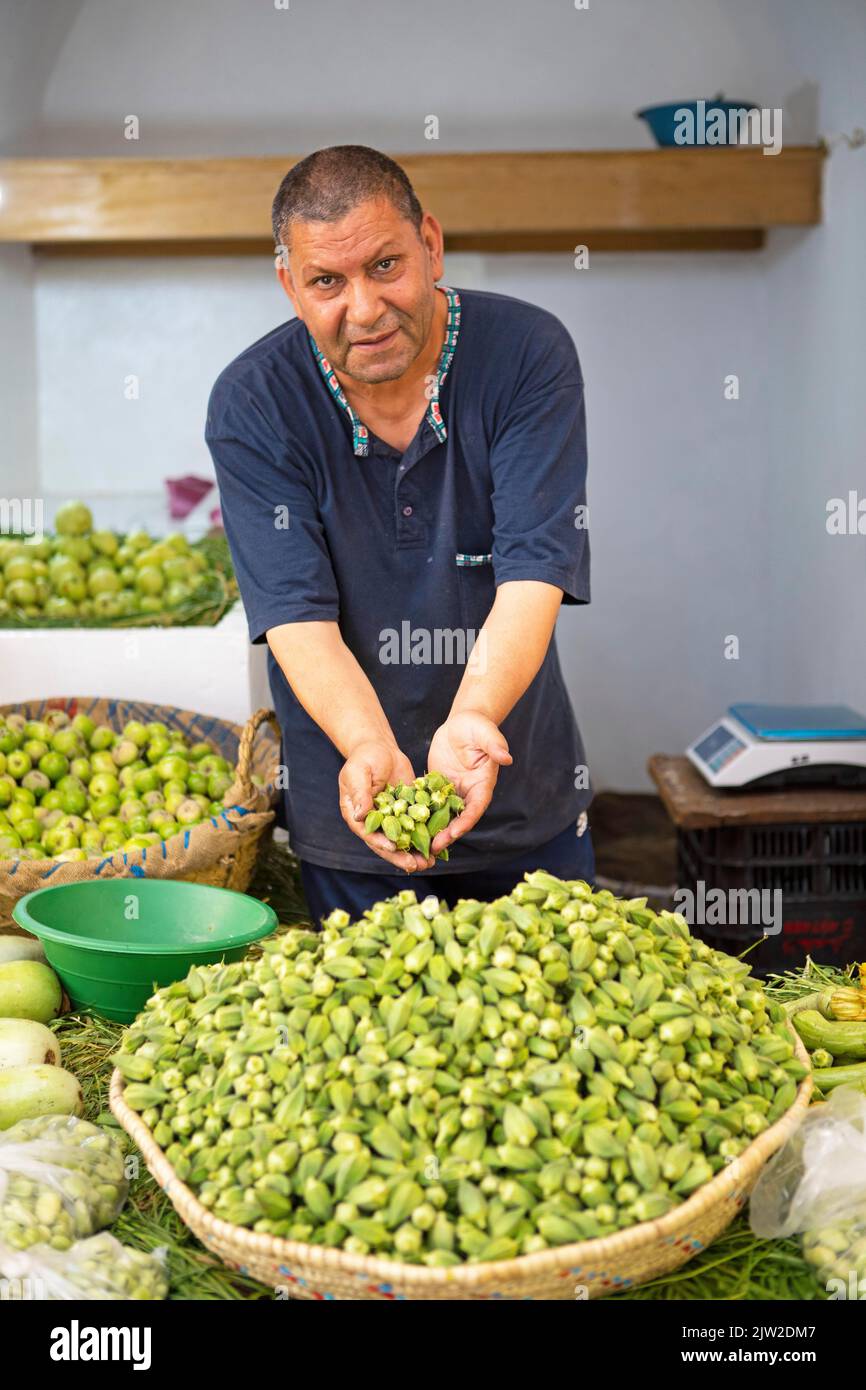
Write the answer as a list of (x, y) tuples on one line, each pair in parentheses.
[(719, 747), (783, 745)]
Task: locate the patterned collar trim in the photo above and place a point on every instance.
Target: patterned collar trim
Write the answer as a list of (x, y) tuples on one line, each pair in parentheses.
[(360, 433)]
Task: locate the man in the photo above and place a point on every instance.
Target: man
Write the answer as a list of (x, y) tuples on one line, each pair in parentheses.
[(402, 473)]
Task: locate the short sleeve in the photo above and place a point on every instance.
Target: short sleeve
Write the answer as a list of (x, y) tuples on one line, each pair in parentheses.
[(538, 464), (271, 517)]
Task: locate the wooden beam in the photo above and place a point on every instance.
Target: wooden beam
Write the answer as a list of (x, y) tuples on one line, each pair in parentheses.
[(686, 239), (517, 198), (702, 239)]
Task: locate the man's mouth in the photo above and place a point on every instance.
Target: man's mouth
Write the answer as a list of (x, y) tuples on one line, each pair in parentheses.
[(370, 343)]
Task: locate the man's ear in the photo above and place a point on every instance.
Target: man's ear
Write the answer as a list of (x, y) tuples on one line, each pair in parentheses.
[(433, 237)]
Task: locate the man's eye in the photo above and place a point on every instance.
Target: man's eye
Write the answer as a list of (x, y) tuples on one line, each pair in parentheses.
[(320, 280), (388, 263)]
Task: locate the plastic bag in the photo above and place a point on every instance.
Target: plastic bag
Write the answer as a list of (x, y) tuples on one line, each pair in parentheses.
[(61, 1179), (97, 1268), (816, 1186)]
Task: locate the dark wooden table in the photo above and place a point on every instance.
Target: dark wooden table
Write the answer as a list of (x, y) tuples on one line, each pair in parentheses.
[(693, 804)]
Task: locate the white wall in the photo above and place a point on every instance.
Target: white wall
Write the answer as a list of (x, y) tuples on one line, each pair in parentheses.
[(173, 324), (678, 483), (707, 515), (18, 417), (234, 77), (817, 404), (29, 41)]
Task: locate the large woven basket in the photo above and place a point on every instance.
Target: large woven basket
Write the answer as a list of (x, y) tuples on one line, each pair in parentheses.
[(221, 850), (589, 1269)]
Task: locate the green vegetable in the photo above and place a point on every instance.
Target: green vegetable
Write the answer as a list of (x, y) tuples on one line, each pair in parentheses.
[(19, 947), (73, 519), (24, 1043), (412, 814), (818, 999), (79, 575), (827, 1078), (99, 790), (821, 1058), (427, 1082), (29, 989), (842, 1039), (87, 1187), (838, 1251), (27, 1091), (96, 1268)]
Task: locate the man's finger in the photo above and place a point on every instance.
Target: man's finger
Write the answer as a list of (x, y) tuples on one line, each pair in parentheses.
[(352, 808), (469, 816), (398, 858), (387, 850), (357, 791), (496, 748)]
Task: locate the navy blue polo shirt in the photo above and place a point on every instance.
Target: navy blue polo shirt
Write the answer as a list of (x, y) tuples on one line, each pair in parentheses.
[(327, 522)]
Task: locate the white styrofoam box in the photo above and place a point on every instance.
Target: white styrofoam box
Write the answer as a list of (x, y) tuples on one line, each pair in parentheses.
[(212, 670)]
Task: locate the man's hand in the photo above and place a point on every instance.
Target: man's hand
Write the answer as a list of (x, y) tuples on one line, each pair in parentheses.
[(469, 749), (366, 771)]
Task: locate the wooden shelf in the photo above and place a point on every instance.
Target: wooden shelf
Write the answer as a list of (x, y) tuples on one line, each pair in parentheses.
[(620, 200)]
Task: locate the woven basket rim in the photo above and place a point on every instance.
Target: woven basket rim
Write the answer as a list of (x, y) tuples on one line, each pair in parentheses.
[(59, 700), (559, 1260)]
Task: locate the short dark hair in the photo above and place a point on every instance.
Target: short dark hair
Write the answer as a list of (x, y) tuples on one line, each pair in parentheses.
[(329, 183)]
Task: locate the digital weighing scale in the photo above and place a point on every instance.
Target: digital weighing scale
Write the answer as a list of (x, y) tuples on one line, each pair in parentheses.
[(783, 746)]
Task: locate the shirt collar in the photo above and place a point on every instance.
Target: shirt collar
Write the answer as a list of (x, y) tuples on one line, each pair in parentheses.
[(433, 416)]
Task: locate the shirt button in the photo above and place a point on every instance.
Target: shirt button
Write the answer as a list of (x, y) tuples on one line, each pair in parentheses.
[(407, 511)]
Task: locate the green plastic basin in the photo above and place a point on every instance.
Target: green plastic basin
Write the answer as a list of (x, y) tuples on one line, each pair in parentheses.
[(113, 943)]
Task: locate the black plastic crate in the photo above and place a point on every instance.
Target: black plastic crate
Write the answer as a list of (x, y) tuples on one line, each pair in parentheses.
[(820, 870)]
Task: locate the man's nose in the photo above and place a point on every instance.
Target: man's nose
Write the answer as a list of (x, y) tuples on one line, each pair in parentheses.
[(364, 310)]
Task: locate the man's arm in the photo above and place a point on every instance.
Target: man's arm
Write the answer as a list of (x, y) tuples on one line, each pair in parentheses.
[(333, 689), (513, 644), (540, 558), (506, 658), (290, 595)]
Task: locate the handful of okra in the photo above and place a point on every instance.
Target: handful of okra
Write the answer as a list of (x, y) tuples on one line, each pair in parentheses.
[(412, 815)]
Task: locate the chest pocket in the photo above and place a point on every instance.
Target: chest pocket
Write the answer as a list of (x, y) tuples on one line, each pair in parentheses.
[(477, 589)]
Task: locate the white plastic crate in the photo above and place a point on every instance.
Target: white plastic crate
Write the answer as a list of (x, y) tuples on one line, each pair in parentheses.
[(212, 670)]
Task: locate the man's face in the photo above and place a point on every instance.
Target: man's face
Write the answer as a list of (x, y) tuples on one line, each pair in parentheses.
[(366, 287)]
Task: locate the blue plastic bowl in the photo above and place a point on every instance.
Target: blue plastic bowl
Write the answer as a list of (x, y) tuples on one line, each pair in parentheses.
[(662, 120)]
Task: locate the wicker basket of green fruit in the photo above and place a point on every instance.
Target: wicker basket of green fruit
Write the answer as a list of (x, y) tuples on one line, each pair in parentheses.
[(98, 788), (553, 1096), (83, 577)]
